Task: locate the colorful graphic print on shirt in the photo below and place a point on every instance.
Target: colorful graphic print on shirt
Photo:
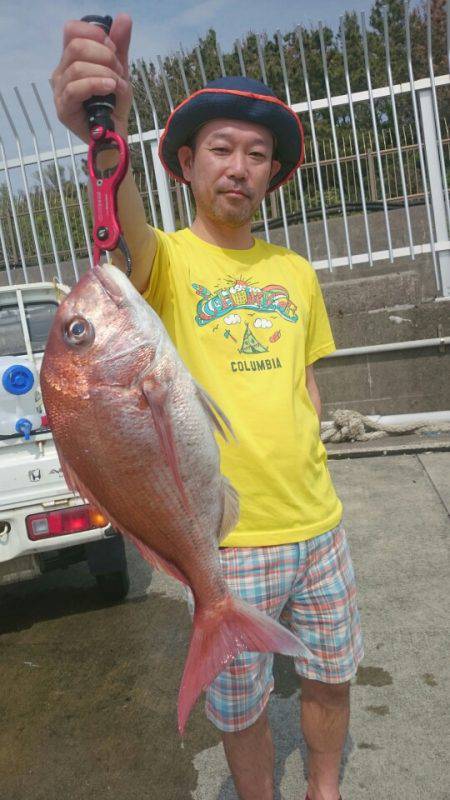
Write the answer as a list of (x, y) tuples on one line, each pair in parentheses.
[(250, 317)]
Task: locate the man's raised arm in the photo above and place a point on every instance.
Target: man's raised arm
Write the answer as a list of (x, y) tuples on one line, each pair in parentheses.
[(94, 63)]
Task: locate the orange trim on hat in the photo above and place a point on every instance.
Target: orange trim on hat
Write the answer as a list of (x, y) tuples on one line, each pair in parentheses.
[(251, 95)]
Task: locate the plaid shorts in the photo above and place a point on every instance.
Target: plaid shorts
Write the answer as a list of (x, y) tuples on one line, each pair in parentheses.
[(308, 586)]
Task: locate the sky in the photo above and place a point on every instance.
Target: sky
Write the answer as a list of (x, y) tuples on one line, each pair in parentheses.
[(31, 37)]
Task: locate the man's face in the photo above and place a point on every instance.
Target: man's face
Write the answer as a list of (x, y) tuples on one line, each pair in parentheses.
[(229, 170)]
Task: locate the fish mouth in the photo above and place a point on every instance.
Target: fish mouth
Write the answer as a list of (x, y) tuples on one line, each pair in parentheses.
[(109, 285)]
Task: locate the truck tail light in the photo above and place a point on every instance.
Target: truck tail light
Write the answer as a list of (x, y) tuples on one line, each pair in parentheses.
[(64, 521)]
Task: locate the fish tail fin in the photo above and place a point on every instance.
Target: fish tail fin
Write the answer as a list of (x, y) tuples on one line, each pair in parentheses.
[(219, 635)]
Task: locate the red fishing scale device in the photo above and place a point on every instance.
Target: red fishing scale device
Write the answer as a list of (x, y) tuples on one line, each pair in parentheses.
[(105, 182)]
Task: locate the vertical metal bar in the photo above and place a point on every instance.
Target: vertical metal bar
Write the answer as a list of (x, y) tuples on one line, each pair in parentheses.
[(143, 76), (336, 148), (183, 74), (393, 164), (386, 159), (375, 134), (200, 63), (279, 39), (289, 196), (25, 183), (87, 235), (262, 65), (447, 134), (186, 197), (284, 217), (355, 139), (43, 189), (435, 106), (299, 178), (10, 233), (5, 254), (187, 203), (384, 12), (438, 187), (372, 176), (266, 224), (165, 82), (162, 182), (220, 57), (306, 171), (58, 178), (14, 213), (448, 36), (315, 145), (408, 168), (332, 166), (26, 332), (144, 161), (417, 176), (161, 177), (346, 164), (171, 106), (420, 143), (355, 188), (241, 57)]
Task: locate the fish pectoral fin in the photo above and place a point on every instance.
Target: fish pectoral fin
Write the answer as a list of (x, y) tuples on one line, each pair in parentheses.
[(156, 395), (230, 515), (214, 413)]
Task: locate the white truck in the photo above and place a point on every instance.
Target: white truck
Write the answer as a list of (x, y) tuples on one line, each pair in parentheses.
[(43, 525)]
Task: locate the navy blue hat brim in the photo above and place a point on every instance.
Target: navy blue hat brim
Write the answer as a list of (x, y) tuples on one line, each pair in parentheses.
[(212, 103)]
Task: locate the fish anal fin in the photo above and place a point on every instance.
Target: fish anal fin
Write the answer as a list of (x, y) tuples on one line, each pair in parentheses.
[(155, 560), (156, 394)]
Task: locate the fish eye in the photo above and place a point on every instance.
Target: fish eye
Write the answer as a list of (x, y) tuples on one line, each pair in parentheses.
[(78, 331)]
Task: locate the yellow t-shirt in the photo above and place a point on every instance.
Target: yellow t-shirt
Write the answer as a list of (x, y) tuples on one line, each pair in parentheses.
[(247, 323)]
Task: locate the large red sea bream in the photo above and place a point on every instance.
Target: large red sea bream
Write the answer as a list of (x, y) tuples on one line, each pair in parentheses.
[(135, 436)]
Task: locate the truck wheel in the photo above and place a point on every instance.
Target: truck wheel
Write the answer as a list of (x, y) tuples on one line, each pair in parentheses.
[(114, 585)]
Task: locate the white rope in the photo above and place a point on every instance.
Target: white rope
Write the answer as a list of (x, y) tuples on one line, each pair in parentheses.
[(351, 426)]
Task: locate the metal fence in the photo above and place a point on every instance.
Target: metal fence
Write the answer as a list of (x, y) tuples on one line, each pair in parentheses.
[(349, 182)]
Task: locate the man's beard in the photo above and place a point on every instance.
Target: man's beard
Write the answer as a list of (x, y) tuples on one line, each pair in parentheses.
[(226, 214)]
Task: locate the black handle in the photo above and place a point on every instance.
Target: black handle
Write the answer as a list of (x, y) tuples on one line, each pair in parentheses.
[(102, 22), (99, 107)]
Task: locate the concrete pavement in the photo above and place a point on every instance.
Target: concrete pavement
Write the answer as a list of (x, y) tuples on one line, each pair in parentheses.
[(88, 691)]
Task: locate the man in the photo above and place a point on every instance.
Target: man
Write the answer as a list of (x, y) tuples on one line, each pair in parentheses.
[(249, 320)]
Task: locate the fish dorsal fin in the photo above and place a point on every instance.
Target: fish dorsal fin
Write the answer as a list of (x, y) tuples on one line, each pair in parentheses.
[(154, 559), (214, 412)]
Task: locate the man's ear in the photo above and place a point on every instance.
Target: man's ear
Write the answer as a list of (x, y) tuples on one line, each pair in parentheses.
[(186, 157), (276, 166)]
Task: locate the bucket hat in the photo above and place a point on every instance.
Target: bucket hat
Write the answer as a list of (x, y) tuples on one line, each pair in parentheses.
[(235, 98)]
